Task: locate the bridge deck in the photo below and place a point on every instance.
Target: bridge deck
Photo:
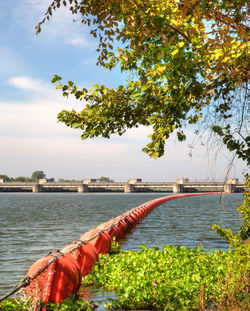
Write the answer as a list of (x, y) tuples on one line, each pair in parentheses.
[(122, 187)]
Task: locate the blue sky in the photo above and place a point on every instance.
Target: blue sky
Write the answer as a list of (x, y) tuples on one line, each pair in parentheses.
[(30, 137)]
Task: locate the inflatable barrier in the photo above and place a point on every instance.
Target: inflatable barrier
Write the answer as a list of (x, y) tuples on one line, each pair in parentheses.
[(58, 282), (86, 255), (55, 277)]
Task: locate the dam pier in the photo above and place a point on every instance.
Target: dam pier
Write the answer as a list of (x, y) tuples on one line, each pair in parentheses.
[(182, 185)]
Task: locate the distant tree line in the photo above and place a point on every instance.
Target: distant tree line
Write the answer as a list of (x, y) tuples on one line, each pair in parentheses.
[(105, 179), (36, 175), (41, 175), (101, 179), (68, 180)]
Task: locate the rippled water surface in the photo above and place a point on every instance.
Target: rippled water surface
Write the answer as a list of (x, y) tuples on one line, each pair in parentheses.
[(32, 224)]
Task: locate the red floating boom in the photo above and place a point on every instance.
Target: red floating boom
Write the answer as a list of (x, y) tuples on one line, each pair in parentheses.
[(61, 279), (54, 278)]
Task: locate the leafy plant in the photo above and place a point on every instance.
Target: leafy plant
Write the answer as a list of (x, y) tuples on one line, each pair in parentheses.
[(115, 247), (69, 304), (174, 278), (12, 305), (244, 210)]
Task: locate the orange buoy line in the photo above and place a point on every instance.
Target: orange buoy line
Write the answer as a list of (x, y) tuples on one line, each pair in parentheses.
[(55, 277)]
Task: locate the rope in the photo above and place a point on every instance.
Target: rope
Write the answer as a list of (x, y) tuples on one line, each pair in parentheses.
[(26, 281)]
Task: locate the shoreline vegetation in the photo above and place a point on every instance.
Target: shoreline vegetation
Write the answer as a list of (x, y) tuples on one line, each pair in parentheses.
[(41, 175), (174, 278)]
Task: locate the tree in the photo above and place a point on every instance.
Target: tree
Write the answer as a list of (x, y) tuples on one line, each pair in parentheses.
[(4, 177), (21, 179), (37, 175), (69, 180), (184, 56), (105, 179)]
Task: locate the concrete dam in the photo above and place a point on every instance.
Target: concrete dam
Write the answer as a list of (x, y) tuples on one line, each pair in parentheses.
[(132, 186)]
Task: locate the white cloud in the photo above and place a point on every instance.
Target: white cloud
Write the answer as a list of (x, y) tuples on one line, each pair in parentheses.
[(72, 158), (36, 116), (69, 157), (26, 83), (31, 139)]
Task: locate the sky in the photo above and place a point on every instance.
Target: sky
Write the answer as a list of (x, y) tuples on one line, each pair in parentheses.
[(31, 138)]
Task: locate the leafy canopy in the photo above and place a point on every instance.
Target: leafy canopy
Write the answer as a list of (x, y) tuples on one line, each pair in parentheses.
[(38, 175), (105, 179), (184, 55), (4, 177)]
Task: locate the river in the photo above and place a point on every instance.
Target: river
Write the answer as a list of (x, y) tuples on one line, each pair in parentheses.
[(32, 224)]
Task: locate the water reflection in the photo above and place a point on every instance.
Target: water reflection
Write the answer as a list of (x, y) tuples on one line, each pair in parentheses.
[(97, 294)]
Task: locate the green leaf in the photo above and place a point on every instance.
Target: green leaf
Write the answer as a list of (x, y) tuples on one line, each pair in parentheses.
[(56, 78)]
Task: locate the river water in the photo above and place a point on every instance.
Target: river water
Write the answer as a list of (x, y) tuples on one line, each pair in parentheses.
[(32, 224)]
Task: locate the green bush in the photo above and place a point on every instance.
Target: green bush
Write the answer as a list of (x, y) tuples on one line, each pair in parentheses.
[(69, 304), (174, 278)]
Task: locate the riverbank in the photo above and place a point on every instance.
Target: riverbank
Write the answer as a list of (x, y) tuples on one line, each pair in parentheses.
[(174, 278)]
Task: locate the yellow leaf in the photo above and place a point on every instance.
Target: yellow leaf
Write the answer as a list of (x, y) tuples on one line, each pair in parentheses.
[(161, 68), (175, 52)]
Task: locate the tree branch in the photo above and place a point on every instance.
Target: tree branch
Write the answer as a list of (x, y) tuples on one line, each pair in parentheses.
[(183, 34)]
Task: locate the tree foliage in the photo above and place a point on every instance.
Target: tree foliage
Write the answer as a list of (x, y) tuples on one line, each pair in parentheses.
[(34, 177), (37, 175), (15, 179), (105, 179), (69, 180), (4, 177), (21, 179), (184, 56)]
